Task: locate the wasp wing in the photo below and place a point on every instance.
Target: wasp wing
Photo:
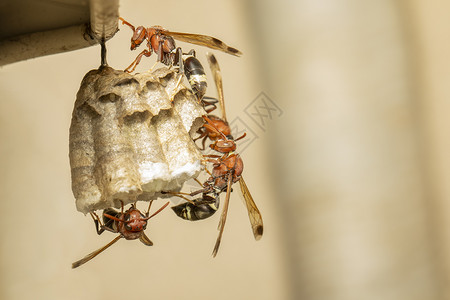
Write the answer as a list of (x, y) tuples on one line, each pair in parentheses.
[(94, 254), (223, 217), (215, 70), (253, 212), (203, 40)]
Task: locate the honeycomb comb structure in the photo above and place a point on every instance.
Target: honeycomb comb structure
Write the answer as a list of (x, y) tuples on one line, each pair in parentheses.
[(130, 137)]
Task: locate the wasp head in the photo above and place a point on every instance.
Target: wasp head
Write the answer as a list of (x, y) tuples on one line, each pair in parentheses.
[(135, 221), (138, 37)]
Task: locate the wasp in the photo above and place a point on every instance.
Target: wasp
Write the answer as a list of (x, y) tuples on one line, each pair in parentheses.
[(162, 42), (227, 170), (129, 224)]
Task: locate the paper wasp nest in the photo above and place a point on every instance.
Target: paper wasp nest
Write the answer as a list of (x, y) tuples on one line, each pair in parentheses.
[(128, 140)]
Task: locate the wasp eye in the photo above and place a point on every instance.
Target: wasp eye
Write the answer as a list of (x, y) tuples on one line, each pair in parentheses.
[(127, 227)]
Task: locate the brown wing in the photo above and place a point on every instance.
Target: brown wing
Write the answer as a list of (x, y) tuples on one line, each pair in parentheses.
[(145, 240), (253, 212), (223, 217), (203, 40), (94, 254), (215, 70)]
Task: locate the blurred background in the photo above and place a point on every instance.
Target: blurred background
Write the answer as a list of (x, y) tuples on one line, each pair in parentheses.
[(345, 104)]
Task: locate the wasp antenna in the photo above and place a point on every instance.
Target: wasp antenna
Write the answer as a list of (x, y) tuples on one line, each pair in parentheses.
[(126, 23), (158, 211)]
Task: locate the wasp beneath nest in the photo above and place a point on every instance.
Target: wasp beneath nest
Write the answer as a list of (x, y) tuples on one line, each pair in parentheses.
[(129, 224)]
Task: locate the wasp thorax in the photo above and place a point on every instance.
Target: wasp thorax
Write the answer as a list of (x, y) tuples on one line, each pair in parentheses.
[(129, 137)]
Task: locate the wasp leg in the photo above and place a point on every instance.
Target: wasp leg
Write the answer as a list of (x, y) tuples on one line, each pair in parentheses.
[(137, 61)]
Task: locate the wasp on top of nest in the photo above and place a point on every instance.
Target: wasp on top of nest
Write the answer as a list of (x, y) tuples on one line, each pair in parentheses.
[(161, 41)]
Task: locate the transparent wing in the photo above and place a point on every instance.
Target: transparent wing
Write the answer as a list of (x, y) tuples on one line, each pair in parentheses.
[(215, 70), (253, 212), (94, 254), (203, 40)]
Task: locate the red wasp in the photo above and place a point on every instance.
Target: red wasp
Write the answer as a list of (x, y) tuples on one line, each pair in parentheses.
[(162, 42), (129, 224), (227, 169)]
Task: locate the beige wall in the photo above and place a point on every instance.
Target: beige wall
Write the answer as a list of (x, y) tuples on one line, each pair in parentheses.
[(352, 178), (430, 29)]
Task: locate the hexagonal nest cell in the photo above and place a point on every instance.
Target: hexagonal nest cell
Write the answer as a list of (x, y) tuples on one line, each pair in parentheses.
[(130, 137)]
